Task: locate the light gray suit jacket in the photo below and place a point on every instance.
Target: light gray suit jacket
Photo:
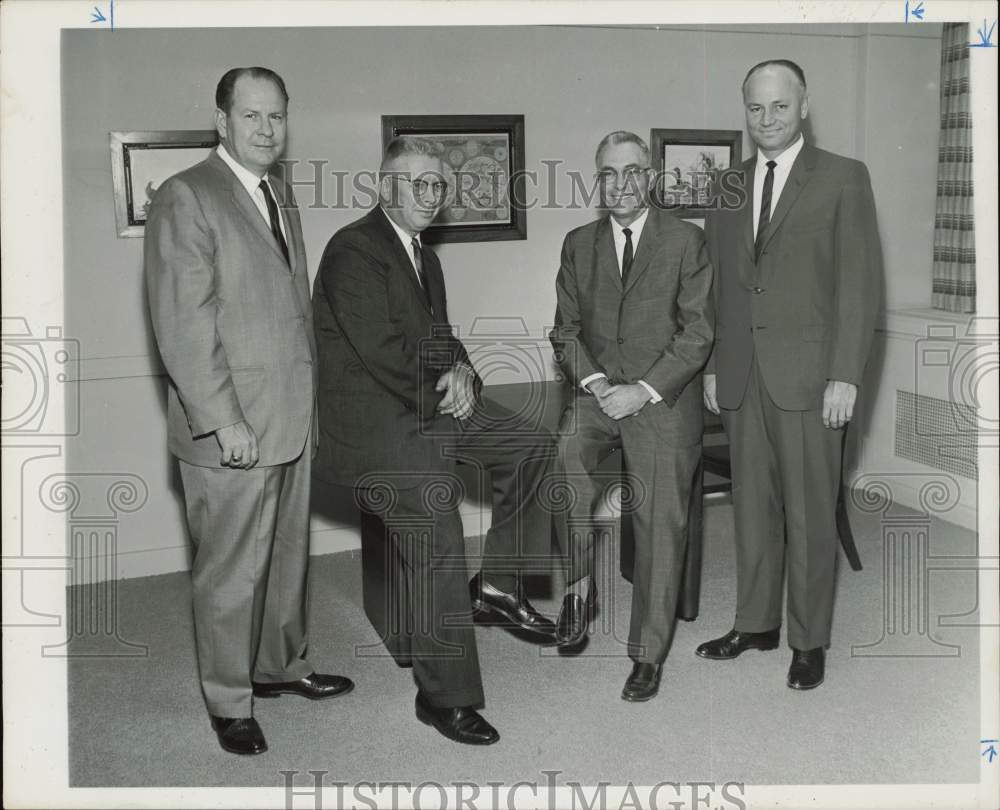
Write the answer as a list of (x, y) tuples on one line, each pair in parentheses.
[(232, 321)]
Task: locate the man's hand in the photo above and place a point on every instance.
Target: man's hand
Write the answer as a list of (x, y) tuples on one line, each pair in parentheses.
[(458, 383), (619, 401), (838, 403), (711, 402), (599, 387), (239, 446)]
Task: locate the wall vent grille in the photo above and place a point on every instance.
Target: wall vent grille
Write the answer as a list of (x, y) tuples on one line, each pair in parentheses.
[(936, 432)]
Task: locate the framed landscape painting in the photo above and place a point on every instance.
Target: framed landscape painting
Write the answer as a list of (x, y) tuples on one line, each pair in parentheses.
[(687, 161), (140, 161)]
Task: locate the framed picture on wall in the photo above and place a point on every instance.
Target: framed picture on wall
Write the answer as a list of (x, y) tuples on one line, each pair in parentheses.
[(140, 161), (687, 161), (483, 157)]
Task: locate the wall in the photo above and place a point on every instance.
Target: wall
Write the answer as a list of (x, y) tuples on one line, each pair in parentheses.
[(874, 95)]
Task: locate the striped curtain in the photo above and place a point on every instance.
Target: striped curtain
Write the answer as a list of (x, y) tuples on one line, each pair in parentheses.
[(954, 275)]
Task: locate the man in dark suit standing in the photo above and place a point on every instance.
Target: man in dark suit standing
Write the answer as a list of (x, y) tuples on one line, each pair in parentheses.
[(799, 268), (399, 404), (229, 302), (634, 328)]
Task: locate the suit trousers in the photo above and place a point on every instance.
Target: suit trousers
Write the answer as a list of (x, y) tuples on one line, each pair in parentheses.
[(786, 478), (660, 477), (250, 530), (420, 513)]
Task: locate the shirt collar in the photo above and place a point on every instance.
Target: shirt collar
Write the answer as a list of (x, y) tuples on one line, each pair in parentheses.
[(785, 159), (247, 178), (404, 237), (636, 226)]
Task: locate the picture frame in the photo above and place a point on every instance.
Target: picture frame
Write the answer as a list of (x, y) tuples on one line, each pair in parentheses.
[(141, 160), (687, 161), (484, 156)]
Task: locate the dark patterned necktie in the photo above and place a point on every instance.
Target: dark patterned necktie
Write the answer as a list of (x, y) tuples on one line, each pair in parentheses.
[(626, 255), (765, 210), (272, 213), (418, 261)]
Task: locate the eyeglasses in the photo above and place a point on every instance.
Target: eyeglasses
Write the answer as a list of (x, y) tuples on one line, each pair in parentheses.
[(438, 188), (628, 175)]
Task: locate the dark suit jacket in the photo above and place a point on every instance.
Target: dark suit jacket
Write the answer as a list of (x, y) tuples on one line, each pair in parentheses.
[(232, 320), (381, 352), (808, 309), (658, 328)]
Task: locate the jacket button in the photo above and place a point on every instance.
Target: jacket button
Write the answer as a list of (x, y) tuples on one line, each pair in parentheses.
[(757, 290), (621, 340)]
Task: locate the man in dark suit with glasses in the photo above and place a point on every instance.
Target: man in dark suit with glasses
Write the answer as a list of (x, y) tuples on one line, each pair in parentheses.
[(399, 405)]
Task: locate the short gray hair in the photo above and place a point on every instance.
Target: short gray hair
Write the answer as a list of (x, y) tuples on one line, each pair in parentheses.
[(621, 136), (403, 145)]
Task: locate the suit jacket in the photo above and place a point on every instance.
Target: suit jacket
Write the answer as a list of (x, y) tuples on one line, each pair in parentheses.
[(232, 320), (657, 328), (382, 349), (808, 308)]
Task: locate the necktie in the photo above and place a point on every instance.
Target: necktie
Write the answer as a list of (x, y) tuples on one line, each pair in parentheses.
[(272, 212), (626, 255), (418, 261), (765, 210)]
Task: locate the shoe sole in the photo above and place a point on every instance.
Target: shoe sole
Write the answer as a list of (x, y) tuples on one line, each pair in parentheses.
[(427, 721), (490, 616), (241, 753), (279, 693), (757, 647), (799, 688), (633, 699)]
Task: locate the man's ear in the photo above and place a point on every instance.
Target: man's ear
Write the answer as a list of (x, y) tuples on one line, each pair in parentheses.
[(221, 123), (805, 106)]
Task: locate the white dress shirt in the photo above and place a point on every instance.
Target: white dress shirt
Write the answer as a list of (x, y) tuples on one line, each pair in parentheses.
[(618, 232), (251, 183), (407, 241), (784, 163)]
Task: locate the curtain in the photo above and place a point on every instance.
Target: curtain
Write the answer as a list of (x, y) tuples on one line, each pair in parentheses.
[(954, 274)]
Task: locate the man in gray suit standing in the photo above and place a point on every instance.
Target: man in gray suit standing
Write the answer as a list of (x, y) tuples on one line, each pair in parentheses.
[(633, 327), (229, 301)]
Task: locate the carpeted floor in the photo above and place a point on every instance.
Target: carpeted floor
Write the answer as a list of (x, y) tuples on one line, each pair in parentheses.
[(141, 722)]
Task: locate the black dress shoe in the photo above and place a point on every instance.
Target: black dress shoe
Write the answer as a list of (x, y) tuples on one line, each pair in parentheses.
[(457, 723), (735, 643), (574, 617), (806, 671), (239, 735), (314, 687), (509, 609), (643, 683)]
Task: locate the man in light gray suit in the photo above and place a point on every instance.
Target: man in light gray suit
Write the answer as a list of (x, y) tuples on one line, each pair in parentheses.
[(229, 300)]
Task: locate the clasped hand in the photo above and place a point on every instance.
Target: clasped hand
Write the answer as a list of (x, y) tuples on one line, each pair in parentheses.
[(619, 401), (458, 383)]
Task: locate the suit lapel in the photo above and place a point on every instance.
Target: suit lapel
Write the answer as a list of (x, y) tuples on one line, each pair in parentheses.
[(245, 205), (801, 171), (403, 261), (605, 257), (745, 215), (649, 244)]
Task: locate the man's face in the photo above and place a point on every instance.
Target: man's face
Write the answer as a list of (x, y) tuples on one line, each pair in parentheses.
[(624, 175), (254, 129), (412, 191), (776, 105)]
